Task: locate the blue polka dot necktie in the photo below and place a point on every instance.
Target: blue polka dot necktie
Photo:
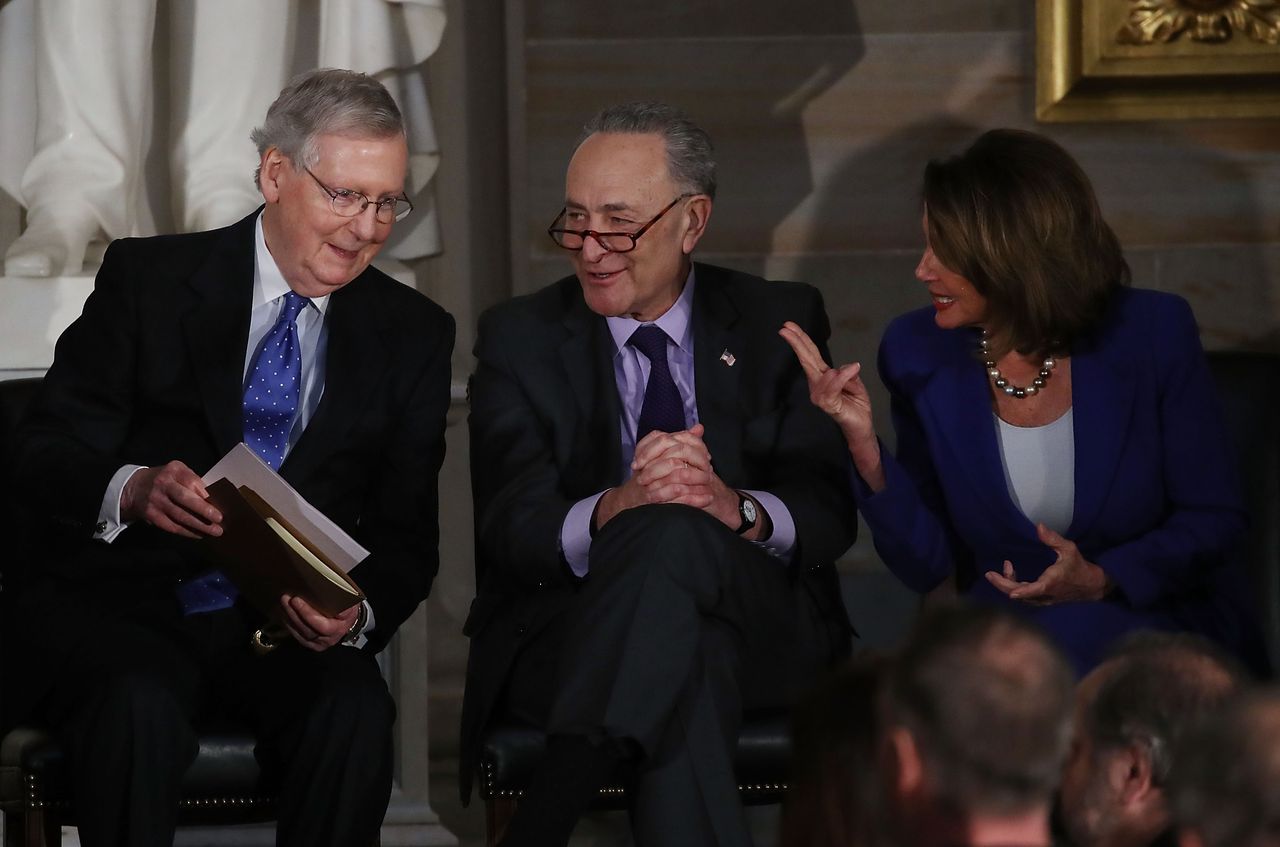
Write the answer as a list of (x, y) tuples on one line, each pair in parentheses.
[(270, 403), (662, 409), (275, 380)]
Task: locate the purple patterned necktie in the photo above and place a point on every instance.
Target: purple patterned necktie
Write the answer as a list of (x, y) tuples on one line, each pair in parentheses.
[(662, 409), (270, 402)]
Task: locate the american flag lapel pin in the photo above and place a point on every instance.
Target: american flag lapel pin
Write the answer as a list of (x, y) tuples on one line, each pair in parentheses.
[(727, 357)]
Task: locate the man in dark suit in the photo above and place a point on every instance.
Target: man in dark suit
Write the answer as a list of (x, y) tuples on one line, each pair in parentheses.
[(277, 332), (657, 505)]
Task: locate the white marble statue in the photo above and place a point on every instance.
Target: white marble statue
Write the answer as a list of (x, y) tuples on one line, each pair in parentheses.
[(80, 93)]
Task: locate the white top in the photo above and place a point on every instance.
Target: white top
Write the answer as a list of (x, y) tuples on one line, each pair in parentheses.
[(1039, 469)]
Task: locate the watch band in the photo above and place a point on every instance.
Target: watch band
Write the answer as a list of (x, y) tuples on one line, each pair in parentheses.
[(358, 627)]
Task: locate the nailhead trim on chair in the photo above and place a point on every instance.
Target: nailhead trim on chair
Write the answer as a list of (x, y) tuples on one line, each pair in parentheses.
[(34, 800), (490, 790)]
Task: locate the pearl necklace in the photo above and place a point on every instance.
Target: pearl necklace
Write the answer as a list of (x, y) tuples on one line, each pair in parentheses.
[(1046, 369)]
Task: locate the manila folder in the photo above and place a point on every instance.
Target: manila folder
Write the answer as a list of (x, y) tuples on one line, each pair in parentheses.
[(266, 557)]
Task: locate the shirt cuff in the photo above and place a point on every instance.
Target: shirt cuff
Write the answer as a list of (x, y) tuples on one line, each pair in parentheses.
[(782, 543), (109, 524), (575, 534)]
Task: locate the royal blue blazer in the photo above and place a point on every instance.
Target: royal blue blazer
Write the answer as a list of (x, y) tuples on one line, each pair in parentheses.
[(1157, 500)]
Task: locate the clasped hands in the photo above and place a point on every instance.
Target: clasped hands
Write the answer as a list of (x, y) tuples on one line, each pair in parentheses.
[(1070, 578), (173, 498), (674, 467)]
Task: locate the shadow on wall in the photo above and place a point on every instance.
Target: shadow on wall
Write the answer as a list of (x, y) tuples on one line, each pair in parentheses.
[(1187, 206), (744, 71), (866, 241)]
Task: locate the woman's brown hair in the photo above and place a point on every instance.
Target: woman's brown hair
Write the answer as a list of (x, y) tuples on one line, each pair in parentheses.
[(1017, 217)]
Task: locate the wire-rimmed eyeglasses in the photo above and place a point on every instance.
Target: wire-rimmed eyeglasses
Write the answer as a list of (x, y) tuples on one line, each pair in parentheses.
[(348, 203)]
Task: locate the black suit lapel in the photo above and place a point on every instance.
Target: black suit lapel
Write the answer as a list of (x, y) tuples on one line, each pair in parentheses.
[(717, 340), (356, 352), (587, 357), (217, 330)]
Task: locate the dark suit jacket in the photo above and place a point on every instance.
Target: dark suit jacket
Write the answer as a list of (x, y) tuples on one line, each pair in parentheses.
[(152, 371), (1157, 503), (544, 434)]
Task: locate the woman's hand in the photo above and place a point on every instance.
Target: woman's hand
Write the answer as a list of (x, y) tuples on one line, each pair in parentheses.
[(1069, 579), (840, 393)]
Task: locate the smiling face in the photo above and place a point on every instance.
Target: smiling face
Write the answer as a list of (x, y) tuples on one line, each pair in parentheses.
[(956, 301), (617, 182), (317, 250)]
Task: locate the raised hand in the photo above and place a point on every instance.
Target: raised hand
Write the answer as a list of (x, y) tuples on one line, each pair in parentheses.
[(840, 393)]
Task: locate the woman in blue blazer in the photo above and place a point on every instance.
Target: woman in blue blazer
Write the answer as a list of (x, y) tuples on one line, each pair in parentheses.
[(1059, 444)]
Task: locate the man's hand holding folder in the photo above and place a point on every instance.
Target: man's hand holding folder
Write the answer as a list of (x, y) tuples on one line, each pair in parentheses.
[(285, 557)]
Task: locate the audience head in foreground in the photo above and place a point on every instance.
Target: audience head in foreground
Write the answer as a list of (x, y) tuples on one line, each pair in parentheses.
[(1132, 712), (976, 724), (834, 799), (1226, 792)]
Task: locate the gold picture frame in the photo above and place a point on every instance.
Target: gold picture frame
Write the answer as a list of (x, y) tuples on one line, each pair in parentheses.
[(1113, 60)]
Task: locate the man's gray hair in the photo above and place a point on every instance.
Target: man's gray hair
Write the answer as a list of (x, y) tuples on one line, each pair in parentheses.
[(1154, 688), (1227, 786), (326, 101), (690, 154), (987, 699)]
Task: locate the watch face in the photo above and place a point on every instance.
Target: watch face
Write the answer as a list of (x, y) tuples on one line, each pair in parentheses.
[(748, 511)]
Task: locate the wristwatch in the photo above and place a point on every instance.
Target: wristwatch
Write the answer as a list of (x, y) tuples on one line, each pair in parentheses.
[(746, 511), (353, 634)]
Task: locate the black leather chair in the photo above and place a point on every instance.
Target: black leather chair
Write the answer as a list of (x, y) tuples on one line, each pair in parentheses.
[(509, 754), (220, 788), (1249, 388), (1249, 385)]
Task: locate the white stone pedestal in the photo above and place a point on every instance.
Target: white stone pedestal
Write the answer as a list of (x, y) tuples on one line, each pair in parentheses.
[(33, 313)]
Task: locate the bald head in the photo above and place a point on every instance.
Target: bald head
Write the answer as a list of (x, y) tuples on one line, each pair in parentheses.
[(1132, 712), (969, 677)]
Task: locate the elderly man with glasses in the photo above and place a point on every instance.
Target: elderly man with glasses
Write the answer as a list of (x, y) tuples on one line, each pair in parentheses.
[(657, 505), (276, 332)]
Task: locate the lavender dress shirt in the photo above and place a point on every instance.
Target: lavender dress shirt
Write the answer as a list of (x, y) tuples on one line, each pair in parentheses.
[(631, 372)]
